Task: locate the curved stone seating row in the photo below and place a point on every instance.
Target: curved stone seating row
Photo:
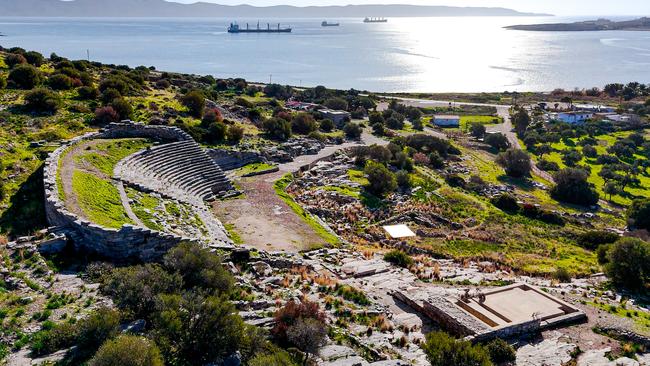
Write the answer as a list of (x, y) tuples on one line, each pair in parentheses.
[(181, 170), (128, 243)]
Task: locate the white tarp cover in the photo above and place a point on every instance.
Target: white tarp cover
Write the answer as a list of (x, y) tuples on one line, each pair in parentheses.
[(399, 231)]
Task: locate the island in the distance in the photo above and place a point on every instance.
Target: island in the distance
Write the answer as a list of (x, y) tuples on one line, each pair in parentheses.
[(641, 24)]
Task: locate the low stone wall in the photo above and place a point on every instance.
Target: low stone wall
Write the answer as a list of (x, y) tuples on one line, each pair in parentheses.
[(232, 159), (129, 243)]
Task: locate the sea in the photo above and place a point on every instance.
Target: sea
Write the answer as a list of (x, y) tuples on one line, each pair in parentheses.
[(448, 54)]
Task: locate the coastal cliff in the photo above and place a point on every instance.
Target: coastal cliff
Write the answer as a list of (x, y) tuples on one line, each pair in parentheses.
[(641, 24)]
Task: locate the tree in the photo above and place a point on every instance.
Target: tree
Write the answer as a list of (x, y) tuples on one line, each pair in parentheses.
[(303, 123), (497, 140), (352, 130), (127, 350), (235, 133), (95, 329), (521, 120), (571, 186), (88, 93), (195, 103), (571, 157), (477, 130), (506, 202), (628, 263), (443, 350), (500, 351), (290, 314), (277, 128), (42, 101), (60, 82), (123, 108), (589, 151), (309, 335), (25, 77), (516, 162), (381, 181), (135, 289), (638, 214), (34, 58), (14, 59), (326, 125), (199, 268), (106, 115), (336, 104), (610, 188), (194, 329)]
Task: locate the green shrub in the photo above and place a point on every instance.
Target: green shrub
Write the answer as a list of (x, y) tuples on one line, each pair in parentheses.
[(506, 202), (60, 82), (58, 337), (195, 103), (14, 59), (500, 351), (3, 82), (122, 107), (562, 274), (277, 128), (594, 238), (516, 162), (199, 268), (638, 213), (279, 358), (352, 294), (127, 350), (25, 77), (42, 101), (443, 350), (399, 258), (571, 186), (381, 181), (628, 264), (352, 130), (303, 123)]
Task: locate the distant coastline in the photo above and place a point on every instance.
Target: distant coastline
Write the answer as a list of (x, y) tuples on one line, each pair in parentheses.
[(641, 24), (161, 8)]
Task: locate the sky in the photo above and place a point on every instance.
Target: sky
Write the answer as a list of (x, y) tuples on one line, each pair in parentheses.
[(557, 7)]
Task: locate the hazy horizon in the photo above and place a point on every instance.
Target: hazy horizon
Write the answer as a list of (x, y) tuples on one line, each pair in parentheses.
[(556, 7)]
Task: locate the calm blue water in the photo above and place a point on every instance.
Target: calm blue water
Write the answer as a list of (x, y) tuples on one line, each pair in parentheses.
[(405, 54)]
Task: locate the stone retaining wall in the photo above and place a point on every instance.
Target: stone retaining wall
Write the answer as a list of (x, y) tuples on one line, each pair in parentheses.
[(129, 243), (232, 159)]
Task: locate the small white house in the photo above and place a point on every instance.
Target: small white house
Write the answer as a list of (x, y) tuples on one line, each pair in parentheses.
[(339, 118), (574, 117), (446, 121), (594, 108)]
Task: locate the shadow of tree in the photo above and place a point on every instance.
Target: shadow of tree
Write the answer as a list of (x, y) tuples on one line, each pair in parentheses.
[(26, 213)]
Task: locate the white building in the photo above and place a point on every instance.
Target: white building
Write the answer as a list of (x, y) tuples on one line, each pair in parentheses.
[(340, 118), (573, 117), (446, 121), (594, 108)]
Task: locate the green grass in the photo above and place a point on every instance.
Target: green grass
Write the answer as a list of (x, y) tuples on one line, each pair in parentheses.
[(344, 190), (106, 155), (143, 206), (640, 318), (254, 168), (280, 186), (484, 120), (233, 234), (358, 176), (99, 200)]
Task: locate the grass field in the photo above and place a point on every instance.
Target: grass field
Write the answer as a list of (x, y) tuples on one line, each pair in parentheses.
[(99, 200), (254, 168), (484, 120), (106, 155)]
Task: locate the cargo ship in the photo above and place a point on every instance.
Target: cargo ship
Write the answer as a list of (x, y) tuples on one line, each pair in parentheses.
[(327, 24), (375, 20), (235, 28)]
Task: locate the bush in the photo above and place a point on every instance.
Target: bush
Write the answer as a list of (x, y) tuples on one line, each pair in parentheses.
[(42, 100), (398, 258), (278, 358), (60, 82), (106, 115), (549, 166), (210, 116), (216, 132), (235, 133), (589, 151), (497, 140), (14, 59), (135, 289), (638, 214), (49, 341), (34, 58), (628, 264), (199, 268), (303, 123), (515, 162), (195, 103), (326, 125), (309, 335), (455, 180), (88, 93), (277, 128), (477, 130), (506, 202), (352, 130), (594, 238), (381, 181), (122, 107), (25, 77), (127, 350), (3, 82), (562, 275), (290, 313), (443, 350), (336, 103), (100, 325), (571, 186), (403, 179), (500, 351)]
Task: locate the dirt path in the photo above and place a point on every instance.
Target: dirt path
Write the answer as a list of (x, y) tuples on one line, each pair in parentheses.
[(265, 221), (125, 203), (66, 171)]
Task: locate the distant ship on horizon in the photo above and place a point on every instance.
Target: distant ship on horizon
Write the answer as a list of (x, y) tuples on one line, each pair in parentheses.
[(375, 20), (235, 28), (327, 24)]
